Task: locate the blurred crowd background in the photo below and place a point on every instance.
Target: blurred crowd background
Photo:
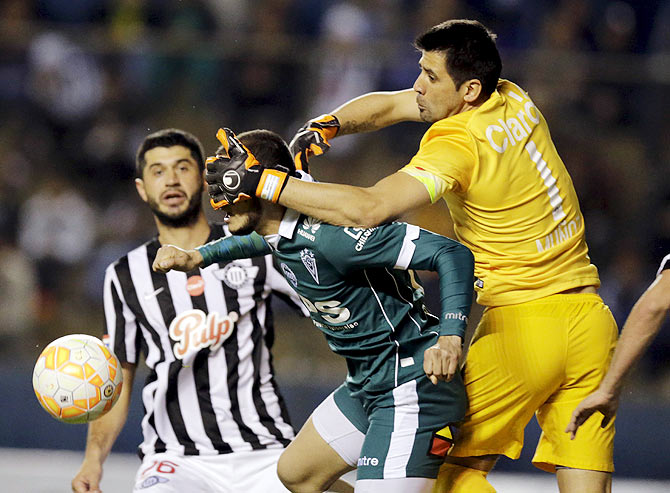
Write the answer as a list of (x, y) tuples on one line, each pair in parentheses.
[(83, 81)]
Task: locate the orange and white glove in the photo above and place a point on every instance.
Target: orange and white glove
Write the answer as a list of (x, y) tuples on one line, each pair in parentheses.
[(237, 175), (312, 140)]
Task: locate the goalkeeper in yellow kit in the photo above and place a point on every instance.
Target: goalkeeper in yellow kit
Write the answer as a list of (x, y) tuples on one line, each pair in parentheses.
[(546, 338)]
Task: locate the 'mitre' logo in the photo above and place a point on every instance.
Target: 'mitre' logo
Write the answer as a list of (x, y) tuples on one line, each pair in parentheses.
[(455, 316), (193, 330), (368, 461)]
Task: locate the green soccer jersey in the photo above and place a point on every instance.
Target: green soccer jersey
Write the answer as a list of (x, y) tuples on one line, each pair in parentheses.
[(360, 289)]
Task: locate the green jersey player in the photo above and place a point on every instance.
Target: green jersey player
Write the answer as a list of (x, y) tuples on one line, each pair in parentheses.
[(395, 416)]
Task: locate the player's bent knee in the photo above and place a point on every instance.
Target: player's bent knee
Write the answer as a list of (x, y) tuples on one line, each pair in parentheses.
[(300, 479), (290, 476), (453, 478)]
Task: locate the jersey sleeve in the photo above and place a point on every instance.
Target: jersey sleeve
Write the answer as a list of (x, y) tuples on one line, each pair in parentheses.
[(406, 246), (281, 288), (444, 161), (234, 248), (455, 265), (122, 332)]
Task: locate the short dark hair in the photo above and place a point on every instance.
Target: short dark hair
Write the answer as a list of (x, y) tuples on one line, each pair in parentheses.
[(167, 138), (470, 49), (269, 148)]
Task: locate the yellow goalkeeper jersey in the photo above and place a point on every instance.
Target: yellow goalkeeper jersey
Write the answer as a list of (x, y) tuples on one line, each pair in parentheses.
[(511, 199)]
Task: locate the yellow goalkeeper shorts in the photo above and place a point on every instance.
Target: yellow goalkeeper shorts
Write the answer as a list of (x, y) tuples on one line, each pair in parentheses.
[(540, 357)]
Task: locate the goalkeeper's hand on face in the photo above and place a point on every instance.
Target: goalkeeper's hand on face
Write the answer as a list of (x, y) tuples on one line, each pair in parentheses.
[(312, 140), (236, 174)]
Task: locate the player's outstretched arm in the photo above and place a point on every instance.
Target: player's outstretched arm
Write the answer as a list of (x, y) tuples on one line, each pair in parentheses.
[(346, 205), (239, 176), (641, 326), (377, 110), (102, 434), (221, 250), (365, 113), (171, 257)]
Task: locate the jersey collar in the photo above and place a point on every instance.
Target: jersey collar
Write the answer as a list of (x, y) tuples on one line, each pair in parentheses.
[(290, 219), (286, 227)]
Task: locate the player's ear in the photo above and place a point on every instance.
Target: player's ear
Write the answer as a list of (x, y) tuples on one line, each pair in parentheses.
[(139, 185), (471, 90)]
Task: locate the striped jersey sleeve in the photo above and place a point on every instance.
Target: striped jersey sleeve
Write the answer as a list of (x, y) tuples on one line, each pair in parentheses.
[(121, 333)]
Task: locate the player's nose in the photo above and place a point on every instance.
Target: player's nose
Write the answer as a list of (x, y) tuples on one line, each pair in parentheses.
[(418, 86), (172, 177)]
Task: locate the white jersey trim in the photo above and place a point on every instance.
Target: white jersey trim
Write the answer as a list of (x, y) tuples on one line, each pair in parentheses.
[(663, 265), (405, 424), (408, 247)]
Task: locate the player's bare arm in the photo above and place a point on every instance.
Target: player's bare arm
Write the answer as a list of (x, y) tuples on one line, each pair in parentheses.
[(365, 113), (341, 205), (102, 434), (377, 110), (346, 205), (223, 249), (642, 325), (172, 257)]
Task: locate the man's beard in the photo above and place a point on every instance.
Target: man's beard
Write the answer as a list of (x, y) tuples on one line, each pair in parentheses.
[(183, 219), (426, 116)]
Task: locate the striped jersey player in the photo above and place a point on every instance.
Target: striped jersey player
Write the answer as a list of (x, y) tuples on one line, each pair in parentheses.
[(206, 336), (214, 419)]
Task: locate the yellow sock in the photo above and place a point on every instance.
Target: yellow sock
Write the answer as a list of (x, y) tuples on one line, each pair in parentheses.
[(459, 479)]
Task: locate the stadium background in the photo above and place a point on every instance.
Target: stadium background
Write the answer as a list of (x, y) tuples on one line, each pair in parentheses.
[(83, 81)]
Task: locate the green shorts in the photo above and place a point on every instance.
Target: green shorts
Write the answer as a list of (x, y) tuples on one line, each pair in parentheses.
[(402, 433)]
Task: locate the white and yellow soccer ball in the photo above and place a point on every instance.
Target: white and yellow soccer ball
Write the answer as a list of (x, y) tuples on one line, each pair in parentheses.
[(77, 379)]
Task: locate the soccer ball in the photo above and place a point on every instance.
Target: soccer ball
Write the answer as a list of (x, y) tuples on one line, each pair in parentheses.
[(77, 379)]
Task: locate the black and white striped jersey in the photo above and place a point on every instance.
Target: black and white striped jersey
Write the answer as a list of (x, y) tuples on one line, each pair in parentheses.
[(206, 337)]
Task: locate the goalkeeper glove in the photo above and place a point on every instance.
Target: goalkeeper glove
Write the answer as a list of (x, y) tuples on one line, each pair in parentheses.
[(237, 175), (312, 139)]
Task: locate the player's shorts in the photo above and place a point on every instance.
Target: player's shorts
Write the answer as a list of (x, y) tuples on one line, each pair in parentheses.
[(396, 434), (342, 423), (251, 472), (541, 357)]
